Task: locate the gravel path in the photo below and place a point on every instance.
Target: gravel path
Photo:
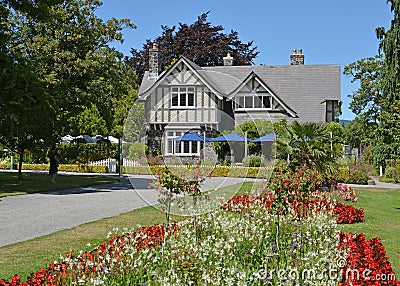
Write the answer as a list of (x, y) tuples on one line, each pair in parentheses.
[(29, 216)]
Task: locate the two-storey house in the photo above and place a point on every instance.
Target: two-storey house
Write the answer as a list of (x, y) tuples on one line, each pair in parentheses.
[(187, 97)]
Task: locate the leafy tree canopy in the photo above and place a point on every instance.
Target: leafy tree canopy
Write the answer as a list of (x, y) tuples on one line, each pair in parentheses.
[(200, 42), (56, 65), (388, 133), (365, 101)]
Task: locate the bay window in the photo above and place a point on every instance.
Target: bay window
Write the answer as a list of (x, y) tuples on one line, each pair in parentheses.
[(183, 148)]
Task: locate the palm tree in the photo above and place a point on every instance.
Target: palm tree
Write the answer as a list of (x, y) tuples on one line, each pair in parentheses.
[(306, 145)]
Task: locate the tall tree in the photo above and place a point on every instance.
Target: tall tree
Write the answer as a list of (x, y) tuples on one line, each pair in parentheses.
[(389, 45), (57, 69), (388, 132), (365, 101), (200, 42), (25, 105), (73, 55)]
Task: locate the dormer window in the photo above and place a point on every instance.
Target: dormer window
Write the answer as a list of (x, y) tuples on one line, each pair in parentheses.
[(254, 101), (182, 97)]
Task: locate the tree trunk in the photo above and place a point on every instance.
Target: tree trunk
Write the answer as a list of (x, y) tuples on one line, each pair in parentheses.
[(21, 158)]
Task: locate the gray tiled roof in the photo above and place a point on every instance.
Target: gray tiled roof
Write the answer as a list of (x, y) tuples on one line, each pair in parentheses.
[(302, 87)]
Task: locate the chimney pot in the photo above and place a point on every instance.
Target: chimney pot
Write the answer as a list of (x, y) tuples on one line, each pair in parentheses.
[(228, 60), (297, 58)]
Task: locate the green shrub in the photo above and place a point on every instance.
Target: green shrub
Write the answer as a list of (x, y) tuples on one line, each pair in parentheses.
[(392, 163), (368, 155), (5, 166), (217, 171), (392, 174), (137, 151), (358, 177), (253, 161), (62, 167), (220, 171), (354, 174), (342, 175), (141, 170)]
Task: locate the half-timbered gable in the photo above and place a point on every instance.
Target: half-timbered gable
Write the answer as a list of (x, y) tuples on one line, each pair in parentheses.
[(254, 99)]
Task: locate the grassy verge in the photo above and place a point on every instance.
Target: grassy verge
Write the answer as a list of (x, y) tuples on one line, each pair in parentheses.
[(382, 219), (40, 182)]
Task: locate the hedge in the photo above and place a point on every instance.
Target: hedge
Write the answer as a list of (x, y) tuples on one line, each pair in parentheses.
[(217, 171), (62, 167), (354, 176)]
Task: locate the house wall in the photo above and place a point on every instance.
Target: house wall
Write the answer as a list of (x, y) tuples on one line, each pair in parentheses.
[(242, 117), (159, 109)]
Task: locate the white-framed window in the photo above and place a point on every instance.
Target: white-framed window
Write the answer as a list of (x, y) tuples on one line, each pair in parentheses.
[(183, 96), (183, 148), (254, 101)]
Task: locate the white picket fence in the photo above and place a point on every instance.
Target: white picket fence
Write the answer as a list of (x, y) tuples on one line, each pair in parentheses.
[(129, 163), (110, 163)]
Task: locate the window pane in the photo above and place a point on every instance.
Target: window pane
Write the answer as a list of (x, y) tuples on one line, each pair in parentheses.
[(267, 102), (258, 101), (186, 147), (183, 99), (190, 99), (178, 147), (240, 101), (329, 105), (194, 147), (170, 145), (248, 101), (329, 116), (174, 100)]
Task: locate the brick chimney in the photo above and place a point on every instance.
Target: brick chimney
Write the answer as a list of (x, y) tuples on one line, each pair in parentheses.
[(154, 61), (297, 57), (228, 60)]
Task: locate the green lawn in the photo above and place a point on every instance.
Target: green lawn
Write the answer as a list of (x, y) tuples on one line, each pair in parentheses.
[(40, 182), (382, 219)]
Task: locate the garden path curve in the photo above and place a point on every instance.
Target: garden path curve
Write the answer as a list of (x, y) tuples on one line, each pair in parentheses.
[(29, 216)]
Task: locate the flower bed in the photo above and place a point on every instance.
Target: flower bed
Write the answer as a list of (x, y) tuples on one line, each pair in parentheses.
[(237, 240), (219, 248), (367, 263), (87, 264), (343, 214)]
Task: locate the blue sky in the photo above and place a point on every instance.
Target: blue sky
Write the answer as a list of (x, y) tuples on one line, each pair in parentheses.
[(329, 32)]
